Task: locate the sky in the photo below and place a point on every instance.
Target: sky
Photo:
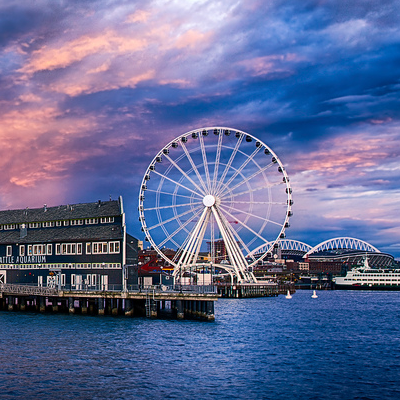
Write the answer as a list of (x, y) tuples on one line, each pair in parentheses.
[(90, 91)]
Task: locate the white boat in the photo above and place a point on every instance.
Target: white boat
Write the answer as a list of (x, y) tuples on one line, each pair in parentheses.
[(367, 278), (288, 296), (314, 295)]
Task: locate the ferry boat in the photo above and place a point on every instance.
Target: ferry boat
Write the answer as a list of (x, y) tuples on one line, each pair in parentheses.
[(367, 278)]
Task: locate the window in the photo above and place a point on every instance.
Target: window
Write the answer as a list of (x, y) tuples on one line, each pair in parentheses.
[(66, 223), (88, 248), (106, 220), (58, 223), (69, 248), (58, 248), (91, 221), (38, 249), (77, 222), (9, 251), (9, 227), (114, 247), (73, 281), (100, 248), (30, 250), (48, 224), (49, 249), (34, 225), (21, 250)]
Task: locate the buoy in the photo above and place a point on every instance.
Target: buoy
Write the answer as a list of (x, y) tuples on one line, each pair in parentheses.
[(314, 296), (288, 296)]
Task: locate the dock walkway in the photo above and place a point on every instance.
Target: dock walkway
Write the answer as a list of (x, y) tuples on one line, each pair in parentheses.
[(181, 302)]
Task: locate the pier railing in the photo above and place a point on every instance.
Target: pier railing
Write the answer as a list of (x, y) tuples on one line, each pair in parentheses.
[(27, 289), (52, 291)]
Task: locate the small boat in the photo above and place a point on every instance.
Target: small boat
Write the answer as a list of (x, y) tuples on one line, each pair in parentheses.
[(288, 296), (314, 296)]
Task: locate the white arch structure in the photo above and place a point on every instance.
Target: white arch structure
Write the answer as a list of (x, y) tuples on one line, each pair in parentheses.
[(342, 243), (290, 244), (286, 244)]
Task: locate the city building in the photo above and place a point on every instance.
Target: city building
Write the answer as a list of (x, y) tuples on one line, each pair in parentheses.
[(75, 246)]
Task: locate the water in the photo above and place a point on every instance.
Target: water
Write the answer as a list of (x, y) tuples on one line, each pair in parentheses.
[(343, 345)]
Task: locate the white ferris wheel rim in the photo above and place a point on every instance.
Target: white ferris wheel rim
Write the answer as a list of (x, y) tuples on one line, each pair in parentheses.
[(206, 193)]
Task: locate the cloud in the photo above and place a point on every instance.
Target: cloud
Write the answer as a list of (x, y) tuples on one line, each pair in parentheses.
[(92, 90)]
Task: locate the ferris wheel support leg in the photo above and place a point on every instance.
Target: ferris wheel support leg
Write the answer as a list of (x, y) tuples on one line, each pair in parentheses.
[(240, 259), (234, 252), (201, 236), (187, 254)]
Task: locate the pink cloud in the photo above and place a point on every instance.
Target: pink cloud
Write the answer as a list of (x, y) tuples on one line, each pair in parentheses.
[(61, 55), (192, 39), (269, 64), (340, 154)]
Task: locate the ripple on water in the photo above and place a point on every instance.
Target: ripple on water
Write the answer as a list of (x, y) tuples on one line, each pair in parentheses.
[(343, 345)]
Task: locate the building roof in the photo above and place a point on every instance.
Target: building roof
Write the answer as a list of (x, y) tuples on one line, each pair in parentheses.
[(64, 234), (99, 231), (98, 209)]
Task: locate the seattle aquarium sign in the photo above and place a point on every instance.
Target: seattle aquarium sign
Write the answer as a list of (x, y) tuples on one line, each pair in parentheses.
[(22, 259)]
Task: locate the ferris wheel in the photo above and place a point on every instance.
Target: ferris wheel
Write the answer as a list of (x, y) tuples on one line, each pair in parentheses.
[(215, 195)]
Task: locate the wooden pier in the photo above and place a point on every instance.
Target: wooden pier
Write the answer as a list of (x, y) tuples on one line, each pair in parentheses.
[(196, 302)]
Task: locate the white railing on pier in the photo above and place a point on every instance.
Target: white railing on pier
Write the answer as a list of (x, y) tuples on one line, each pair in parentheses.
[(51, 291), (27, 289)]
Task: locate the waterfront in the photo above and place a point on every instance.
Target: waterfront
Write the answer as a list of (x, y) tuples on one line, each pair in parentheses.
[(343, 345)]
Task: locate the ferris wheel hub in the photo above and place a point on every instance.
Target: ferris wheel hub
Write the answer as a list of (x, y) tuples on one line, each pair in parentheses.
[(209, 200)]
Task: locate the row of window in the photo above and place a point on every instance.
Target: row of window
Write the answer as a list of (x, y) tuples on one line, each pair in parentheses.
[(374, 279), (66, 249), (63, 266), (377, 275), (77, 281), (51, 224)]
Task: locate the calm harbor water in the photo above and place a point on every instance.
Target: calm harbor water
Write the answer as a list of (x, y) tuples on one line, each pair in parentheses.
[(343, 345)]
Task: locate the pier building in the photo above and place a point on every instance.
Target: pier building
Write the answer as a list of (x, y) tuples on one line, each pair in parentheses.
[(74, 246)]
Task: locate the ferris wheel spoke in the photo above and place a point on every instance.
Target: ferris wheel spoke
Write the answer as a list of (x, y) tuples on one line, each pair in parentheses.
[(195, 169), (281, 203), (240, 169), (251, 190), (205, 162), (239, 239), (183, 226), (216, 165), (184, 174), (250, 215), (172, 206), (168, 193), (229, 164), (249, 178), (177, 183), (245, 226), (174, 218)]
